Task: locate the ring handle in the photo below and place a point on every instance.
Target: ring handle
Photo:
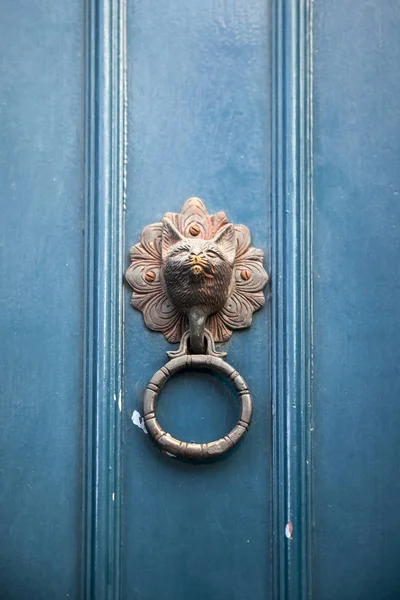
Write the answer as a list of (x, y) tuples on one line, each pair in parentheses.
[(188, 450)]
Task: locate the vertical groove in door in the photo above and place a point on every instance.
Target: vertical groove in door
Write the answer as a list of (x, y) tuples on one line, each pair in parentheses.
[(291, 299), (105, 132)]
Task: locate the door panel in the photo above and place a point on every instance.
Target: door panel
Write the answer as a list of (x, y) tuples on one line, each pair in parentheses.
[(198, 125), (41, 170), (357, 299)]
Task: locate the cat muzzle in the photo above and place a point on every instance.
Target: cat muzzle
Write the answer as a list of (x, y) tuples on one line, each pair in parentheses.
[(198, 264), (197, 270)]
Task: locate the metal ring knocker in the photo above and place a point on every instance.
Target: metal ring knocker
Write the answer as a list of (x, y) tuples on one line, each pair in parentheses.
[(181, 360), (188, 271)]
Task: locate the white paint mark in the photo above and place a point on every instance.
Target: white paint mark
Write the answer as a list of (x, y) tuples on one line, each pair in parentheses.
[(289, 530), (138, 420), (120, 401)]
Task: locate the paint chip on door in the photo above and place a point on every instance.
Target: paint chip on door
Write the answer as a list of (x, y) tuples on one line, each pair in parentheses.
[(138, 420), (289, 530)]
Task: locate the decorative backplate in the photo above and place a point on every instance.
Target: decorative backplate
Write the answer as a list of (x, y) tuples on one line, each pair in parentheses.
[(193, 262)]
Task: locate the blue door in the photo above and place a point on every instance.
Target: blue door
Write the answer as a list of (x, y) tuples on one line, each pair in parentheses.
[(286, 117)]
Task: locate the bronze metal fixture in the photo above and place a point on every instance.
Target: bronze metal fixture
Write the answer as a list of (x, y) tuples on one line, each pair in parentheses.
[(196, 277)]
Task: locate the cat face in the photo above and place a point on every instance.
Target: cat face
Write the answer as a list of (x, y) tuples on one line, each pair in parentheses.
[(198, 273)]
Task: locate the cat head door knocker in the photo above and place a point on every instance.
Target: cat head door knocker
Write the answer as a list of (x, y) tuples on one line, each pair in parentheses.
[(196, 277)]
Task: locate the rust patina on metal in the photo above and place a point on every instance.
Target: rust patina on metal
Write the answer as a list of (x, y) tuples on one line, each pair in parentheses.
[(196, 277)]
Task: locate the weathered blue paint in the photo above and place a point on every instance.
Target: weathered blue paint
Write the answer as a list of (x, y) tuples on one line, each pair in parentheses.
[(103, 297), (357, 299), (41, 271), (198, 108), (219, 106), (291, 299)]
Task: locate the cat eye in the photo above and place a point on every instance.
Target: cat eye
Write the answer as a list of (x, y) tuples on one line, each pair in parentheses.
[(213, 253)]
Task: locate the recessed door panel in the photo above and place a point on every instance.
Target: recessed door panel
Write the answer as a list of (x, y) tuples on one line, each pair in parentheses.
[(198, 125)]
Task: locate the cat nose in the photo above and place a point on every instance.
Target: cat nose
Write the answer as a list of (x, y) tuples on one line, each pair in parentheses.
[(196, 259)]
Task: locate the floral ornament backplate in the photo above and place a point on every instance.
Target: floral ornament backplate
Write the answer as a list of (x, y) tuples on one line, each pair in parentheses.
[(190, 227)]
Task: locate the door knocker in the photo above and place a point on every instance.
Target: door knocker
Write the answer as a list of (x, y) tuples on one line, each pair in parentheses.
[(196, 277)]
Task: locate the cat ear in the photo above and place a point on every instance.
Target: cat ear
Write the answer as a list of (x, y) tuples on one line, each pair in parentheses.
[(226, 240), (170, 237)]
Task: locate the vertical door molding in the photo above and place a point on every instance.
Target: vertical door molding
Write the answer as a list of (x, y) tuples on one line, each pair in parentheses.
[(105, 131), (292, 299)]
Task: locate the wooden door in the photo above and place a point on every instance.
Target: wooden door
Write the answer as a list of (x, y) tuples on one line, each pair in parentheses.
[(285, 115)]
